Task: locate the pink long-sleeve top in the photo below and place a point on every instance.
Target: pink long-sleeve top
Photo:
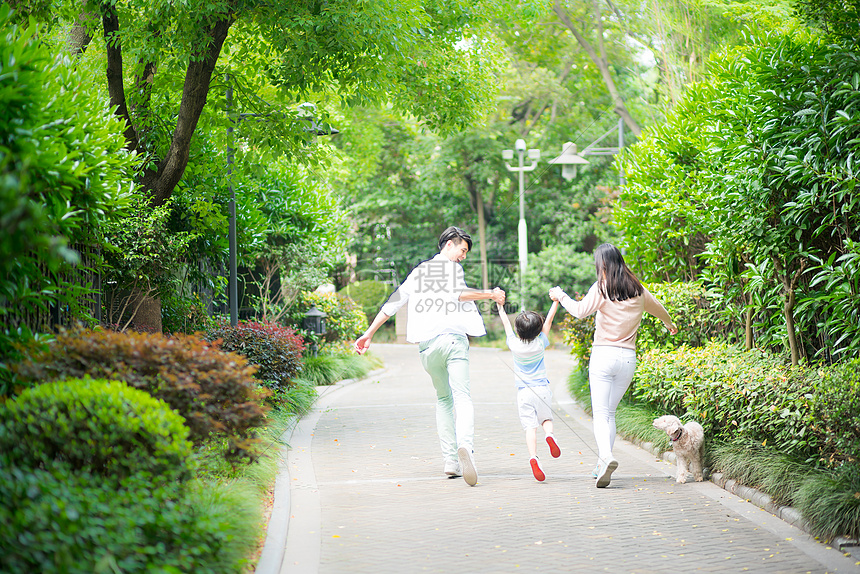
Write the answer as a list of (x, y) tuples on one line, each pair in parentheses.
[(616, 322)]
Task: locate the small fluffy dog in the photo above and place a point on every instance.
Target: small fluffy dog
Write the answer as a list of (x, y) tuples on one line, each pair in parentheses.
[(687, 442)]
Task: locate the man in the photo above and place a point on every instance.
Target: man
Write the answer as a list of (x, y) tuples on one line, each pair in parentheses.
[(442, 316)]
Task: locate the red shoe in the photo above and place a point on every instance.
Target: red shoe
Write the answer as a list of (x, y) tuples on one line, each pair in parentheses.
[(553, 447), (537, 470)]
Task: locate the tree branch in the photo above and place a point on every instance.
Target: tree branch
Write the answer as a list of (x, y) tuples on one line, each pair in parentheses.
[(116, 91), (194, 93), (602, 65)]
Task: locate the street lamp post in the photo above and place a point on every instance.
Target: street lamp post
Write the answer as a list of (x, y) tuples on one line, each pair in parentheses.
[(233, 280), (570, 158), (534, 156)]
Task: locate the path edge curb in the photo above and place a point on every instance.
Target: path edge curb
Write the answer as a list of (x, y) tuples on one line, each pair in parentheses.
[(275, 545)]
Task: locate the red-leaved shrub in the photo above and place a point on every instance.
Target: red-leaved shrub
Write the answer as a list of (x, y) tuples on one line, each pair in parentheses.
[(213, 390)]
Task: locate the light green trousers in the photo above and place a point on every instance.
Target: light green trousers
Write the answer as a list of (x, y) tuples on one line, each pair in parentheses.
[(446, 360)]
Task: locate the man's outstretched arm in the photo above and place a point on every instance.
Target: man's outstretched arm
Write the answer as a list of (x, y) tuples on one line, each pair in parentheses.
[(496, 295)]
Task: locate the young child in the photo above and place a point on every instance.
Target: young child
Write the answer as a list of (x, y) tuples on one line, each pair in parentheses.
[(534, 396)]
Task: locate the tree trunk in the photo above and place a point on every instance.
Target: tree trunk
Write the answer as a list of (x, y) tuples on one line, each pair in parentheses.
[(194, 92), (748, 337), (602, 64), (160, 183), (114, 71), (788, 311), (148, 316), (79, 37)]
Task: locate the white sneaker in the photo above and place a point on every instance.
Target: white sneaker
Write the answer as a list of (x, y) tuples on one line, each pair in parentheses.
[(452, 468), (605, 471), (467, 465)]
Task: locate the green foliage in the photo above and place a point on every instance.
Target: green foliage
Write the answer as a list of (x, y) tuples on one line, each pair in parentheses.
[(833, 302), (369, 295), (840, 19), (559, 265), (98, 427), (733, 393), (58, 521), (327, 369), (63, 173), (301, 235), (738, 188), (689, 307), (184, 315), (346, 321), (144, 259), (275, 350), (836, 411), (808, 414), (692, 310), (578, 334), (212, 390)]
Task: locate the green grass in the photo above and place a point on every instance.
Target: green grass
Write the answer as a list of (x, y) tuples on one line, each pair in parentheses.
[(830, 501), (327, 369), (779, 475)]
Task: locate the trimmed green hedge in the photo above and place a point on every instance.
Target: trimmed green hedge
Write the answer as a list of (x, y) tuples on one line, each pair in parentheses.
[(813, 414), (101, 427), (687, 303)]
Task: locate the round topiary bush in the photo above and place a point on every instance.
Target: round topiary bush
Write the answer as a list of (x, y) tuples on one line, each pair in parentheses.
[(102, 427)]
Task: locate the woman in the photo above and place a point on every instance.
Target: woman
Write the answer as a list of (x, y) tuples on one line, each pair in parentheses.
[(619, 299)]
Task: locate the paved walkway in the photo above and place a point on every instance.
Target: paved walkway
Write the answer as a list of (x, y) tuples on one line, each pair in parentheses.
[(367, 493)]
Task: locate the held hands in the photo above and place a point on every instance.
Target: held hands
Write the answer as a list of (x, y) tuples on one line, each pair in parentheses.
[(498, 296), (556, 294)]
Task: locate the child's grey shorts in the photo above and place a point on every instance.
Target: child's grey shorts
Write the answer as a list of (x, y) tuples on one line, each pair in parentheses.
[(533, 404)]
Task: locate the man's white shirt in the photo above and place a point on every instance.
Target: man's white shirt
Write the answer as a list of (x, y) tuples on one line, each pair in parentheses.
[(432, 291)]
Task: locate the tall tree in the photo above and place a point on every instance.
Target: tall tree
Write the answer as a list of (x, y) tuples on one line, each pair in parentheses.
[(427, 58)]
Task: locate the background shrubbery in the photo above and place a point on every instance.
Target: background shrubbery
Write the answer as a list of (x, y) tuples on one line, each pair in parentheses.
[(275, 350), (369, 294), (214, 391), (688, 305), (346, 320)]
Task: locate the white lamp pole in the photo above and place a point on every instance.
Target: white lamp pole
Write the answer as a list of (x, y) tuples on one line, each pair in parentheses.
[(522, 230)]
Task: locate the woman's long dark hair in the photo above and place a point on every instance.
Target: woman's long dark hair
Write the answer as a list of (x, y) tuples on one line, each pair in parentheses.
[(614, 279)]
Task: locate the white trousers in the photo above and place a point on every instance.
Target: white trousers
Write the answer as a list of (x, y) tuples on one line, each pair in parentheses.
[(610, 372)]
